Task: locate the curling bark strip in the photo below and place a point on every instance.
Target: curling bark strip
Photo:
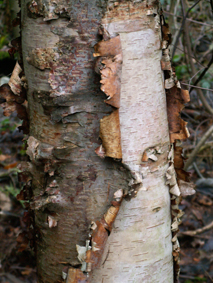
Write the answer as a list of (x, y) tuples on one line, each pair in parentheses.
[(177, 179), (69, 185)]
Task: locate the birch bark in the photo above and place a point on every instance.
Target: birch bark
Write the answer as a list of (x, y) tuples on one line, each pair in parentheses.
[(71, 185)]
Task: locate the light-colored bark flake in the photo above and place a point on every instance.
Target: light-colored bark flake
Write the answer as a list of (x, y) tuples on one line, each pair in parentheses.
[(15, 81), (141, 87), (110, 135)]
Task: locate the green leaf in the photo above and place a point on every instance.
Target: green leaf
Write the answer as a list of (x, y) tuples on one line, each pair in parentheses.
[(177, 58), (181, 70)]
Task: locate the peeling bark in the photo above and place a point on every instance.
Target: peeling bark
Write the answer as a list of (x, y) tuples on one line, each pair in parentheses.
[(144, 139), (126, 196), (110, 135), (177, 179), (14, 94)]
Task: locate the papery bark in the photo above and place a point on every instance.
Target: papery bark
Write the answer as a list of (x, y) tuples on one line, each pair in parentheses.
[(71, 185)]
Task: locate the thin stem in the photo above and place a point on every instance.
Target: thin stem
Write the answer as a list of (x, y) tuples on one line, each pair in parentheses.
[(188, 19), (197, 170), (197, 148), (193, 69), (182, 26), (198, 231), (198, 87), (203, 73)]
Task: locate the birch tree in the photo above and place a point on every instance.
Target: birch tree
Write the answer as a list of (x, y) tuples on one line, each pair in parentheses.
[(103, 181)]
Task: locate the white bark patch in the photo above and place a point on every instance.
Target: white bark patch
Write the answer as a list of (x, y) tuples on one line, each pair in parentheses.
[(148, 255), (142, 95)]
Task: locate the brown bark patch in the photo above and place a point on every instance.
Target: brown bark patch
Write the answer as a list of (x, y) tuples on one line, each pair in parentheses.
[(48, 9), (42, 58), (133, 20), (91, 255), (76, 276), (109, 66), (109, 47), (110, 135), (175, 103), (110, 80)]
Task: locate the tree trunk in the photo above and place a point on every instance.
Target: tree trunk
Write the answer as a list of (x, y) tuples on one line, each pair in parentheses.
[(73, 186)]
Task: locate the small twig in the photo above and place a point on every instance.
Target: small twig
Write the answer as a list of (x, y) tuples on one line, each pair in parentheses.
[(197, 170), (188, 19), (193, 57), (174, 7), (195, 76), (196, 130), (198, 87), (203, 73), (182, 26), (206, 272), (193, 69), (198, 231), (197, 148), (188, 116)]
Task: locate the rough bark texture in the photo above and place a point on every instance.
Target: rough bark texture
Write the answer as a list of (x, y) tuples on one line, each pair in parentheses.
[(71, 185)]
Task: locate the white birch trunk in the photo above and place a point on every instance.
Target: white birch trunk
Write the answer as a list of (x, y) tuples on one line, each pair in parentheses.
[(65, 106), (140, 247)]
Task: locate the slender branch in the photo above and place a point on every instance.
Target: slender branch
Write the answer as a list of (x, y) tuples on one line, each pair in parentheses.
[(195, 59), (193, 69), (198, 87), (182, 26), (173, 7), (195, 75), (203, 73), (197, 148), (197, 170), (188, 19), (198, 231)]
